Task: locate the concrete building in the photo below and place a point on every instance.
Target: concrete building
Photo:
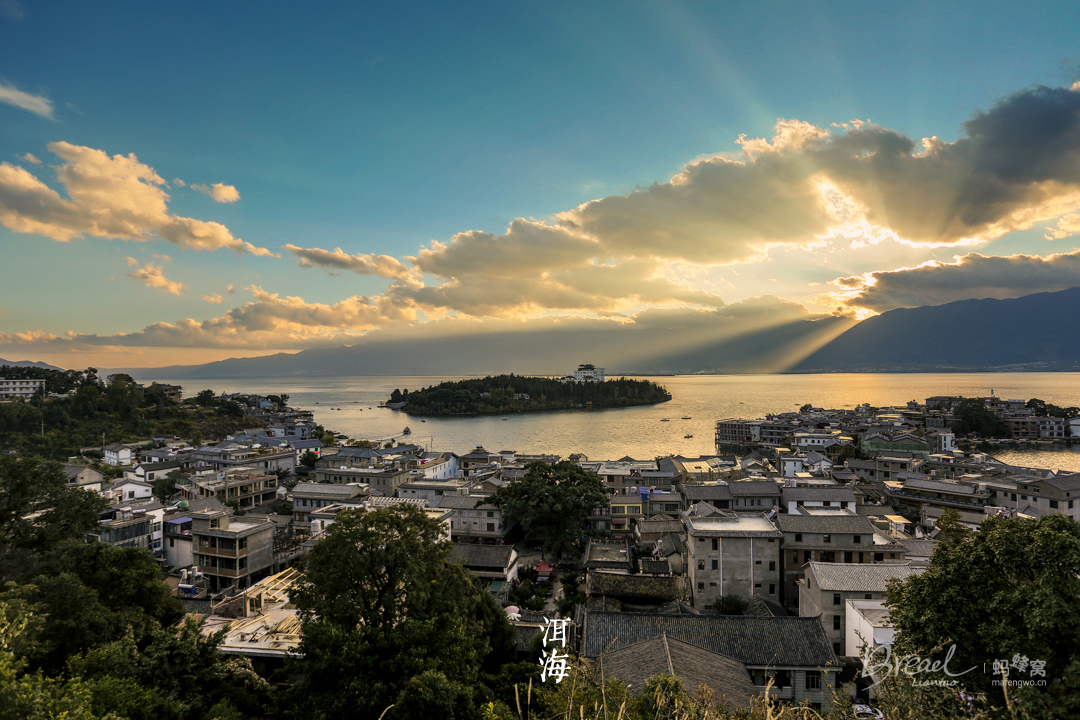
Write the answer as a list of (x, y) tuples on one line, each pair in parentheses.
[(731, 554), (866, 623), (827, 586), (231, 552), (588, 373), (22, 389)]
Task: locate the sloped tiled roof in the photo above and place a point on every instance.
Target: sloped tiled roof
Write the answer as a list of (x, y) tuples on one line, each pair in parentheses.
[(760, 606), (695, 493), (859, 577), (749, 488), (831, 494), (694, 666), (471, 555), (635, 586), (824, 523), (757, 641)]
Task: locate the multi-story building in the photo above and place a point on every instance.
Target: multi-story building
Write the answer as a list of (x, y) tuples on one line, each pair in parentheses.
[(731, 554), (472, 523), (588, 373), (230, 454), (382, 479), (125, 527), (229, 551), (308, 498), (840, 536), (736, 431), (828, 586), (247, 486), (23, 389)]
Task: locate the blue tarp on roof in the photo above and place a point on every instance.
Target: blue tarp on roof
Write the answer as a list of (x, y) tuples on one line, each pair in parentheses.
[(177, 521)]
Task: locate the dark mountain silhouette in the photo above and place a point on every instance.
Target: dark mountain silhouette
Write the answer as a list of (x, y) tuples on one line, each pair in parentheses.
[(1034, 332)]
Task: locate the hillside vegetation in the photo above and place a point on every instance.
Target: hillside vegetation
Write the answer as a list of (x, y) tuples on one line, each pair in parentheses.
[(496, 395)]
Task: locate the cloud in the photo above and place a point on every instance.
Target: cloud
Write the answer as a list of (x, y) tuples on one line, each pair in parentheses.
[(37, 104), (113, 197), (220, 192), (969, 276), (1067, 225), (381, 265), (231, 290), (178, 182), (269, 322), (153, 276), (30, 158), (213, 298)]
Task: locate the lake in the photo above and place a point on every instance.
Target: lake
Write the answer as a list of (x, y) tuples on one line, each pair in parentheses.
[(349, 405)]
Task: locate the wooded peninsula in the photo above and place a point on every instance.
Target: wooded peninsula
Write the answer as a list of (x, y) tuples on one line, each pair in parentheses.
[(503, 394)]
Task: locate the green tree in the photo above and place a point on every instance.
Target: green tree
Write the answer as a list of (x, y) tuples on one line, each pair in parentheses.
[(308, 459), (806, 408), (164, 487), (553, 504), (206, 398), (279, 400), (38, 509), (1010, 589), (972, 416), (380, 606)]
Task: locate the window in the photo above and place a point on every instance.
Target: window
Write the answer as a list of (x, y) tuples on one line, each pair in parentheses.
[(879, 557), (757, 562), (715, 544), (491, 513), (848, 557), (1053, 504), (491, 527), (172, 542), (868, 596), (243, 543), (757, 585), (701, 587), (772, 589), (1070, 504), (715, 566), (835, 622), (806, 556), (836, 599), (826, 504), (772, 539), (813, 679), (1014, 497), (712, 584), (798, 537), (700, 564), (772, 565), (827, 538), (858, 539)]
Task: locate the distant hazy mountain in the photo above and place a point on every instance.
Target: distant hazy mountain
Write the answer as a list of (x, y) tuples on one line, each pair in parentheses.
[(658, 349), (28, 363), (1035, 332)]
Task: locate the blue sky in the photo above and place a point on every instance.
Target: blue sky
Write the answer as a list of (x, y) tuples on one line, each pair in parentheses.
[(381, 129)]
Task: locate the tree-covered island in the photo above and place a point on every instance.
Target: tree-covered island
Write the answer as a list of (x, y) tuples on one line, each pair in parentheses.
[(503, 394)]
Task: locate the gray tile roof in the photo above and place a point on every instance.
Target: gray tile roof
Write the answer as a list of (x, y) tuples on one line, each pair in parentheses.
[(674, 525), (819, 493), (824, 523), (859, 577), (750, 488), (634, 587), (760, 606), (694, 666), (709, 493), (919, 548), (755, 641), (487, 556), (1064, 482), (464, 502)]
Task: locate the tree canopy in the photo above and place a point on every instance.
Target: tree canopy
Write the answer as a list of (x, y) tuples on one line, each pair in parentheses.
[(553, 504), (383, 609), (972, 416), (1010, 590)]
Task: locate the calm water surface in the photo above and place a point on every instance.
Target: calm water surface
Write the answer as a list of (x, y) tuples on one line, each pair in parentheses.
[(350, 405)]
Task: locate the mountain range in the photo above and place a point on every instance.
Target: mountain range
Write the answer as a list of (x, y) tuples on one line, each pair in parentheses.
[(1039, 332)]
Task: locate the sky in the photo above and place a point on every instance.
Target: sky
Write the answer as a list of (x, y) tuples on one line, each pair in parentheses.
[(191, 182)]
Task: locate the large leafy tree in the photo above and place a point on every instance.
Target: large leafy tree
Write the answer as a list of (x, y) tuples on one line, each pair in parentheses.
[(383, 609), (972, 416), (37, 508), (1009, 590), (552, 503)]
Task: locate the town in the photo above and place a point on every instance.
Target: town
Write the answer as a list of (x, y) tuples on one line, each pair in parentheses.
[(763, 569)]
